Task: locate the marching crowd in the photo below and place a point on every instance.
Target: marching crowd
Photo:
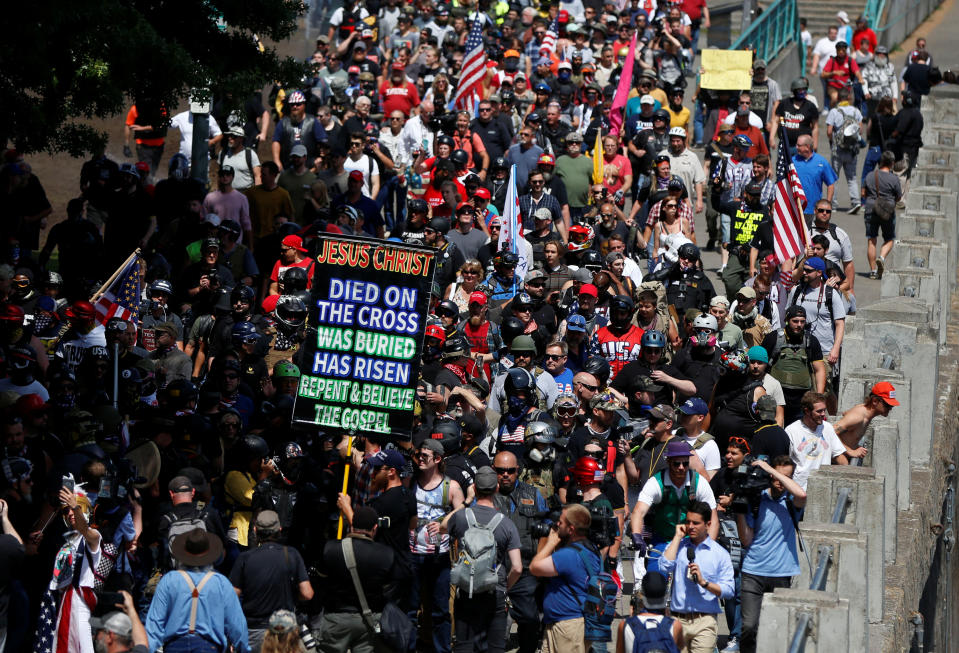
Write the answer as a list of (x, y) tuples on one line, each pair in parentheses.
[(594, 418)]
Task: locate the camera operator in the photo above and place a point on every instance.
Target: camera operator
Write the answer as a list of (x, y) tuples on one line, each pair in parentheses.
[(523, 504), (769, 534), (669, 494), (702, 574)]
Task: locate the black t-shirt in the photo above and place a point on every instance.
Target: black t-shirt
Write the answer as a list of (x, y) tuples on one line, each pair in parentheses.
[(399, 504), (770, 440), (380, 576), (268, 576), (624, 379), (700, 367), (798, 121), (461, 470), (610, 488)]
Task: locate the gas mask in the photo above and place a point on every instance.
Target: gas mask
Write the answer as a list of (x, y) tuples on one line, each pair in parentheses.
[(541, 455), (431, 353), (704, 338)]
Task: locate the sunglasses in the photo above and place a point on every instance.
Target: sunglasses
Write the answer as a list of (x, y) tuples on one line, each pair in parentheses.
[(679, 463), (671, 206), (485, 109), (470, 272), (554, 357), (823, 210), (536, 285), (505, 470), (809, 270), (591, 388), (424, 455)]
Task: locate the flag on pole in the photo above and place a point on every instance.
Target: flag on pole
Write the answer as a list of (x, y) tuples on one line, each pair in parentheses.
[(617, 113), (598, 158), (789, 226), (122, 298), (512, 228), (549, 41), (473, 69)]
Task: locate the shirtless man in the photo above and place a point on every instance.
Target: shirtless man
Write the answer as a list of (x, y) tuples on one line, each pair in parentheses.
[(854, 422)]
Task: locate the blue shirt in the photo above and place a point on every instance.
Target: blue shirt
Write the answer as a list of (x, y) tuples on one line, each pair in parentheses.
[(525, 160), (714, 563), (565, 592), (564, 382), (219, 616), (813, 173), (773, 549)]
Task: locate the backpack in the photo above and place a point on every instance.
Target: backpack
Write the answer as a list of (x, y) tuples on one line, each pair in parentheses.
[(249, 159), (599, 606), (475, 569), (789, 363), (800, 290), (652, 640), (180, 525), (849, 136)]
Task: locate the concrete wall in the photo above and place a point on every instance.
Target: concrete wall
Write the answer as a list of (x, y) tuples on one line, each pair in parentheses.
[(893, 561), (785, 67), (902, 18)]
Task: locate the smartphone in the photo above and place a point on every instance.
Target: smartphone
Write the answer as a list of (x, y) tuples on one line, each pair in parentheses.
[(106, 487), (110, 598), (68, 483)]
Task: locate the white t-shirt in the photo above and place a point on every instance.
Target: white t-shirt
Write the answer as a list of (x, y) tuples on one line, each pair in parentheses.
[(754, 119), (810, 450), (651, 494), (825, 49), (708, 454), (364, 164), (184, 122), (651, 621), (242, 176), (774, 389)]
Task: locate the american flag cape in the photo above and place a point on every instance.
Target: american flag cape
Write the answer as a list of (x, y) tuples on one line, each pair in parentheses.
[(473, 70), (549, 41), (789, 226), (122, 298)]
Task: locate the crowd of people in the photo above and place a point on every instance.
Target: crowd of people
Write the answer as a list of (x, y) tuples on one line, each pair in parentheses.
[(593, 416)]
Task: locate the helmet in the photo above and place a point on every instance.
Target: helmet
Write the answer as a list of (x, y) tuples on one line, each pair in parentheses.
[(417, 206), (294, 278), (532, 117), (743, 141), (591, 259), (587, 471), (460, 158), (13, 313), (349, 212), (543, 87), (706, 321), (242, 293), (798, 84), (443, 139), (244, 332), (290, 311), (179, 166), (79, 310), (511, 327), (449, 434), (441, 225), (181, 392), (253, 446), (753, 188), (505, 258), (231, 227), (661, 114), (580, 237), (456, 346), (53, 280), (28, 405), (161, 285), (296, 97), (546, 160), (520, 380), (521, 299), (285, 370), (540, 433), (621, 302), (689, 252), (598, 367), (677, 131), (500, 163), (654, 339), (17, 469), (449, 306)]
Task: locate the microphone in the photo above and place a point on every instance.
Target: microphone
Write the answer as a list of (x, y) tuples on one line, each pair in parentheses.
[(691, 557)]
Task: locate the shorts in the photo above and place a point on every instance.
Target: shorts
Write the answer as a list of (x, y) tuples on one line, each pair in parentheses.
[(566, 636), (874, 225), (725, 223)]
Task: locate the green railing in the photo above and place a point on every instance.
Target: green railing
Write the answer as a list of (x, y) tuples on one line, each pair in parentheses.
[(873, 13), (772, 31)]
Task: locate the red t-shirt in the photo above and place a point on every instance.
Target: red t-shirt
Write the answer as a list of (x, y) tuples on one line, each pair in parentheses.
[(693, 8), (307, 263), (756, 136), (619, 349), (398, 98), (847, 68)]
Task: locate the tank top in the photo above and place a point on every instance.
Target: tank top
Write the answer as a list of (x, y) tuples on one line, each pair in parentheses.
[(430, 506)]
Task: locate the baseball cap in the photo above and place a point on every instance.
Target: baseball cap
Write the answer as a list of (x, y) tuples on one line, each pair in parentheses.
[(298, 150), (433, 445), (356, 175), (816, 263), (397, 65), (662, 411), (605, 401), (647, 99), (115, 622), (295, 242), (694, 406), (485, 479), (643, 383), (534, 274), (653, 590), (746, 293), (589, 289), (582, 275), (719, 300), (478, 297), (766, 407), (510, 53), (180, 484), (436, 331), (227, 170), (388, 458), (885, 391), (574, 137), (759, 63), (576, 322)]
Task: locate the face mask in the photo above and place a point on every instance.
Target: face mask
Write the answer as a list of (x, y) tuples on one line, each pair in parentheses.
[(563, 75), (799, 95), (538, 455), (547, 176), (517, 406), (704, 339)]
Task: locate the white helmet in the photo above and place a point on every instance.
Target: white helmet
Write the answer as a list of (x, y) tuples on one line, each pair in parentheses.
[(678, 131), (705, 321)]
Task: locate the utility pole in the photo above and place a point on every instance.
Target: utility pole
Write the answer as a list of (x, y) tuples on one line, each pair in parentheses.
[(749, 12), (200, 160)]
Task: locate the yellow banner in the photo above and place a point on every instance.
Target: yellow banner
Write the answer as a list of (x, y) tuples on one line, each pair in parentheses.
[(726, 70)]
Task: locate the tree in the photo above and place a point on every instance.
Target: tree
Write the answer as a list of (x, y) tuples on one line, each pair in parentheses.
[(64, 63)]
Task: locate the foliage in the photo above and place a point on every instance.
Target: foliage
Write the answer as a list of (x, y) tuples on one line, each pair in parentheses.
[(65, 63)]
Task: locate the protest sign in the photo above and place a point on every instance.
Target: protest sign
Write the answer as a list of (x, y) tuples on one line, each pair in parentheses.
[(361, 358), (726, 70)]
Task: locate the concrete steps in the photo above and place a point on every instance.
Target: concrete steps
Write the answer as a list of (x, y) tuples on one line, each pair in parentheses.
[(822, 13)]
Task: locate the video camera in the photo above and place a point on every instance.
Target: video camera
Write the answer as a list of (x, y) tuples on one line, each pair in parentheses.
[(118, 482), (603, 525), (444, 122), (747, 486), (545, 522), (632, 429)]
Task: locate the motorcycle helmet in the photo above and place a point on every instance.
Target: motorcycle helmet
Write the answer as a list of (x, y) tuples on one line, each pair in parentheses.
[(511, 327), (598, 367), (242, 293), (456, 346), (244, 333), (587, 471), (441, 225), (450, 435), (460, 158), (591, 260), (253, 447), (294, 279), (580, 237), (290, 311)]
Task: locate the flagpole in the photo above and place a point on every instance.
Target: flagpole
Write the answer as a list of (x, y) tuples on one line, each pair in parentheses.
[(113, 277)]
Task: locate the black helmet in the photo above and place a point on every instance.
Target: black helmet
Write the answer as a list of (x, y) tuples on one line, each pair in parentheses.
[(590, 258), (456, 346), (294, 278), (290, 312), (450, 306), (799, 84), (244, 332), (161, 285), (460, 158), (598, 367), (450, 435), (520, 380), (253, 446), (507, 96), (242, 293), (180, 392), (441, 225), (689, 252), (511, 327), (753, 188), (621, 302), (661, 114), (418, 206), (443, 139), (500, 163)]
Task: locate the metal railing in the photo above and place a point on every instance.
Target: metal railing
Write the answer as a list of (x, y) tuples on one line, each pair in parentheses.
[(819, 576), (772, 31), (875, 9)]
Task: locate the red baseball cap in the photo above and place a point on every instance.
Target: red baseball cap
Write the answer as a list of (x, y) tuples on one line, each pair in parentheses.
[(589, 289), (478, 297), (397, 66), (563, 16), (436, 331), (885, 391), (482, 192), (356, 175), (295, 242), (771, 260)]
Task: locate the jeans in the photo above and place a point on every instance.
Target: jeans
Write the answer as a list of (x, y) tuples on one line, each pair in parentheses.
[(699, 118), (872, 160), (845, 161), (433, 571), (734, 609), (751, 596), (190, 644), (392, 200)]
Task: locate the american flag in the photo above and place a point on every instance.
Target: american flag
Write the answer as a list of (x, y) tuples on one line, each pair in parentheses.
[(789, 226), (473, 70), (549, 41), (122, 298)]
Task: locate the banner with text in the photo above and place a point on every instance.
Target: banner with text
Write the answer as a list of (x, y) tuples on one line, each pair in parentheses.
[(361, 359)]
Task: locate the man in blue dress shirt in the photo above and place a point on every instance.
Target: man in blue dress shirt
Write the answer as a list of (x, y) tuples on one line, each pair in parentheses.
[(702, 574), (814, 171)]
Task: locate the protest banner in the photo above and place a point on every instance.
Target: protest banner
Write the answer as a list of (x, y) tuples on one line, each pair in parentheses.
[(361, 358), (726, 70)]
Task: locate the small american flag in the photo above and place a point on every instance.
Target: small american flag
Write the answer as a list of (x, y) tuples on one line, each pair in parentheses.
[(122, 298), (789, 226), (549, 41), (473, 70)]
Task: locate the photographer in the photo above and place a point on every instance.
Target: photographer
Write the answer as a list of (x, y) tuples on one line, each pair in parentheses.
[(769, 534)]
